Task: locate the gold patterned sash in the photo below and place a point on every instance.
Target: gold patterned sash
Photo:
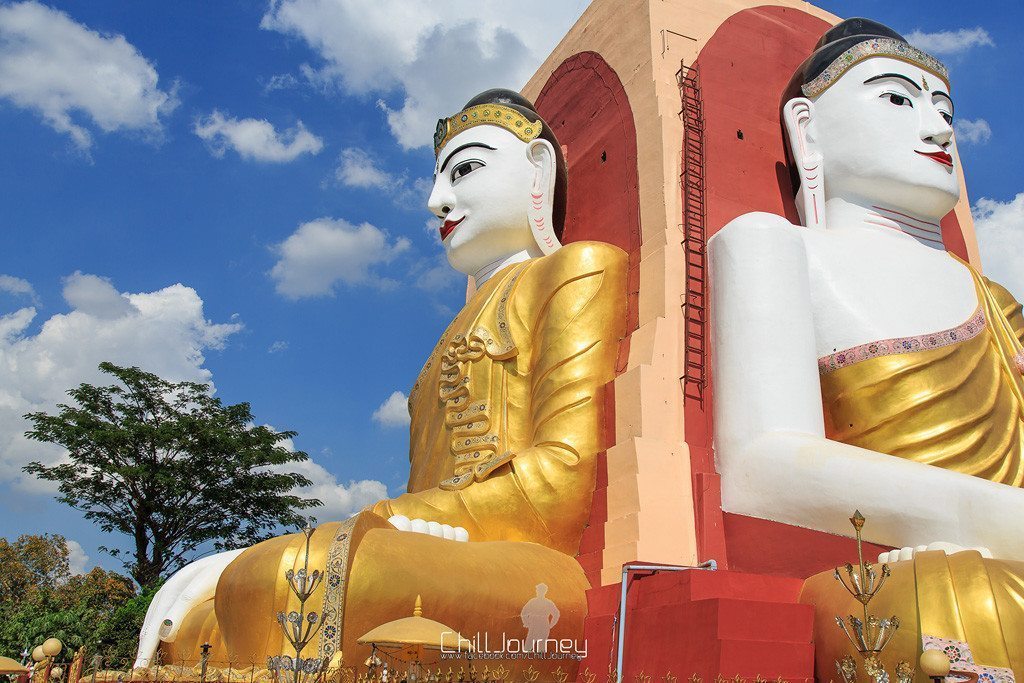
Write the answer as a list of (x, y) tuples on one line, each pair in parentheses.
[(336, 583)]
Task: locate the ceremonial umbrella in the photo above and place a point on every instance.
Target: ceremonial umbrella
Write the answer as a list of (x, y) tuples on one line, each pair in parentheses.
[(10, 666), (413, 635)]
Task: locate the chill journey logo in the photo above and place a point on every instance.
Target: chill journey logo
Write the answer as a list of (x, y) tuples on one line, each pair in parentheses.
[(538, 616)]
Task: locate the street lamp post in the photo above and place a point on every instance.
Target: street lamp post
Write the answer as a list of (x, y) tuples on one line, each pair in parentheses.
[(48, 651), (37, 657)]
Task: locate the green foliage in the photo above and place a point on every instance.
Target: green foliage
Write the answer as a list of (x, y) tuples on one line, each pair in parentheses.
[(171, 467), (118, 635), (39, 598)]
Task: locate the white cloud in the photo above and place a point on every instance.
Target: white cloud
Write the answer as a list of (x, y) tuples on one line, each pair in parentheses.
[(950, 42), (78, 560), (326, 251), (278, 347), (18, 287), (95, 296), (255, 139), (356, 168), (436, 274), (68, 73), (434, 63), (340, 501), (972, 132), (393, 412), (164, 332), (280, 82), (1000, 230)]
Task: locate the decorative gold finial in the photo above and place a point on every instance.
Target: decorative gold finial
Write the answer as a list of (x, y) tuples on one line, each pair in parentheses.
[(857, 520), (417, 611), (869, 635)]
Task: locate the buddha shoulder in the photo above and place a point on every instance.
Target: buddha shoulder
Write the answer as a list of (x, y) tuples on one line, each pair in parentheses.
[(580, 259), (750, 238), (1010, 306), (581, 276), (758, 227)]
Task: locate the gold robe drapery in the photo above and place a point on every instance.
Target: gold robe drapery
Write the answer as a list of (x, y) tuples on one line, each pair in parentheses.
[(971, 606), (951, 399), (507, 418)]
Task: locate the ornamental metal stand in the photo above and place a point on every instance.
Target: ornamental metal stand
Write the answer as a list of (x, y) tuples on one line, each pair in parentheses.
[(870, 634), (300, 627)]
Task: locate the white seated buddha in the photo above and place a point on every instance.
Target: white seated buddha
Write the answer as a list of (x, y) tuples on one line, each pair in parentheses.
[(858, 364)]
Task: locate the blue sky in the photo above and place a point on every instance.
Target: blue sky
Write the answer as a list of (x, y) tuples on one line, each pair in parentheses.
[(239, 198)]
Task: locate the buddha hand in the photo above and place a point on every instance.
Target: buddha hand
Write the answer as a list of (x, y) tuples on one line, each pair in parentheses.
[(421, 526), (900, 554)]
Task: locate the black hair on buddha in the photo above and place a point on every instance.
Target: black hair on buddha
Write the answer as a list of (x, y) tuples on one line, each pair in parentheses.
[(510, 98), (833, 43)]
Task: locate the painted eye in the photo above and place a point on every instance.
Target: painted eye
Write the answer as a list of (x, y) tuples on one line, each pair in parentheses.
[(465, 168), (898, 100), (948, 117)]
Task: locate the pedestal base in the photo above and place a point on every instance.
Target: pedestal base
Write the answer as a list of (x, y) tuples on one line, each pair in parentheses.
[(704, 623)]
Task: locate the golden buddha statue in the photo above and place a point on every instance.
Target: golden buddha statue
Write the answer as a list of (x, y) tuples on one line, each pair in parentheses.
[(886, 371), (506, 427)]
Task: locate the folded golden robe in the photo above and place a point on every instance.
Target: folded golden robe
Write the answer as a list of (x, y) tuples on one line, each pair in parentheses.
[(954, 399), (969, 606), (506, 426)]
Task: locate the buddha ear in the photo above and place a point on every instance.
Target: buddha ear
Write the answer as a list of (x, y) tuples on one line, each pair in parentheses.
[(542, 195), (798, 116)]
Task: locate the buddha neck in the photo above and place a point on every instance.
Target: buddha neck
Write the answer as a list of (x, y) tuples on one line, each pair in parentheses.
[(841, 213), (484, 274)]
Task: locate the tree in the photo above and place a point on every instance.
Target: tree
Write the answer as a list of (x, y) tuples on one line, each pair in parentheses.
[(170, 466), (39, 598), (32, 566)]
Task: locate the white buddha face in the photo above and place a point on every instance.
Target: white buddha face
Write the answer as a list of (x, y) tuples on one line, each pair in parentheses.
[(884, 131), (482, 184)]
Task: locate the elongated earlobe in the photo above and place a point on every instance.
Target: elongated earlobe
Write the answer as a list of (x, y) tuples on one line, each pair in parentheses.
[(542, 195), (810, 194)]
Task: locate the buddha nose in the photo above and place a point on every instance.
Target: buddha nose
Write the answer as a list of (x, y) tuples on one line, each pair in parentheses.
[(934, 128), (441, 201)]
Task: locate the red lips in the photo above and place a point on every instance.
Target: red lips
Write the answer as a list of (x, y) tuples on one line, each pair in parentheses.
[(447, 227), (940, 157)]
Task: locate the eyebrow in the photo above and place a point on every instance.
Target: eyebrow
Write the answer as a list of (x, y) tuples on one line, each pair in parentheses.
[(946, 95), (459, 149), (900, 76)]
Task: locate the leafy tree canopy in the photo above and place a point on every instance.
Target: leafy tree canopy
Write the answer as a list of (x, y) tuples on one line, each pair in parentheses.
[(171, 467), (40, 598)]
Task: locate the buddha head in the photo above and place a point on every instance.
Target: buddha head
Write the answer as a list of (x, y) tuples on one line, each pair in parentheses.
[(869, 120), (499, 182)]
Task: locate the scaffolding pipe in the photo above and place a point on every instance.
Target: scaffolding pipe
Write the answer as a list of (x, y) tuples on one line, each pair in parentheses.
[(710, 565)]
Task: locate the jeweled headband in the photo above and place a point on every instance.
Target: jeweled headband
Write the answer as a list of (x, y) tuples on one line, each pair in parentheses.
[(491, 114), (873, 47)]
